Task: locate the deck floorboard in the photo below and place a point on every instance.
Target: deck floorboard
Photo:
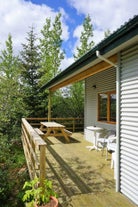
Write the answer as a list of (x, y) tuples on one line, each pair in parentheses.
[(82, 178)]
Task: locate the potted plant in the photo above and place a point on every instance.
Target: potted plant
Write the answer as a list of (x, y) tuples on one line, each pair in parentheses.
[(39, 196)]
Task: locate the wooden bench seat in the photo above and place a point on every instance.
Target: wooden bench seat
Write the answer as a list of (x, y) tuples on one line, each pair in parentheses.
[(69, 133), (39, 131)]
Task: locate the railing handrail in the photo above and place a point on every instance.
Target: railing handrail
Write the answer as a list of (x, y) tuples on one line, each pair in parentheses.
[(34, 150), (71, 123)]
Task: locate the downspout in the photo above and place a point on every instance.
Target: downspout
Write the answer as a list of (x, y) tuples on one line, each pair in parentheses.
[(118, 126), (118, 118), (104, 59)]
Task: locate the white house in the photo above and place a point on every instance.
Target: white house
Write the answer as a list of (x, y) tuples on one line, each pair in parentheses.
[(110, 71)]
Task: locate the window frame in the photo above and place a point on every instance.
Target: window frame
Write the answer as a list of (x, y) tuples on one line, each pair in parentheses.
[(108, 93)]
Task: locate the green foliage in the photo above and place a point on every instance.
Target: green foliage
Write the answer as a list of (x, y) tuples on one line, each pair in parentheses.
[(30, 60), (50, 49), (34, 194), (17, 158), (86, 42), (76, 102), (11, 104), (4, 147), (60, 105), (4, 185), (11, 161), (67, 104)]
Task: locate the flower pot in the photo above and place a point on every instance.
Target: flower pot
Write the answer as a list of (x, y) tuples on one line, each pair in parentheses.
[(53, 203)]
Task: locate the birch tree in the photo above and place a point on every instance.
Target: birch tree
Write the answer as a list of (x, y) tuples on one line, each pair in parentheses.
[(77, 89), (50, 49)]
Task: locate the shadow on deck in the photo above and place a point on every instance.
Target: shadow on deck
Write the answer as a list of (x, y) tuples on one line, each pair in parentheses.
[(82, 178)]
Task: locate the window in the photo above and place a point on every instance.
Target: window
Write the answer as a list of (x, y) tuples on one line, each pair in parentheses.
[(107, 107)]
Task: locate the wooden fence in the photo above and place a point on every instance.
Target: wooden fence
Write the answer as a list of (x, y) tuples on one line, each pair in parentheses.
[(72, 124), (34, 150)]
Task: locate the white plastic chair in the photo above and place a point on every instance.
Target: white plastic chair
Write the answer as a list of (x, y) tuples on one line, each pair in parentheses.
[(111, 145), (102, 142), (113, 163)]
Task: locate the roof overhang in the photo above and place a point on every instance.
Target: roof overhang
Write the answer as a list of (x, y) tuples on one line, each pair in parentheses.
[(90, 64)]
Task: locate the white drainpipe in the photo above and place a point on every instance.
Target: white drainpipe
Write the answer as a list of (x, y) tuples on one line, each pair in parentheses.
[(118, 118), (104, 59)]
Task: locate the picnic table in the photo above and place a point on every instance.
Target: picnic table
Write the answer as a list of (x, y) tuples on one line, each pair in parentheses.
[(54, 129)]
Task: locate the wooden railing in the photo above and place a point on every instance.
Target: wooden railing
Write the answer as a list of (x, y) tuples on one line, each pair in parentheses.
[(34, 150), (35, 147), (72, 124)]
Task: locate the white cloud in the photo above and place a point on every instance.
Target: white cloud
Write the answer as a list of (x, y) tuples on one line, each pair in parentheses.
[(18, 16), (66, 62), (77, 31), (107, 13), (98, 36)]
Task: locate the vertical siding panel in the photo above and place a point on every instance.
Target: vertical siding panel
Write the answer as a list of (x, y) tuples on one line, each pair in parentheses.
[(129, 123)]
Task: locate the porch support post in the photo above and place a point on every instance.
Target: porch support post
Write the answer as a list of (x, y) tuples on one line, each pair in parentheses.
[(49, 105)]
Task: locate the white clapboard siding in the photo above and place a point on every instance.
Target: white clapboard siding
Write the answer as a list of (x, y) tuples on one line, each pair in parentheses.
[(129, 123), (104, 81)]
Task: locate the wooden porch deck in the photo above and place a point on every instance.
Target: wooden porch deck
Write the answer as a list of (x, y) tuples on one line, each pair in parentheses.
[(82, 178)]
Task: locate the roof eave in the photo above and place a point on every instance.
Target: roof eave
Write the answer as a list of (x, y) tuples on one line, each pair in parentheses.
[(118, 38)]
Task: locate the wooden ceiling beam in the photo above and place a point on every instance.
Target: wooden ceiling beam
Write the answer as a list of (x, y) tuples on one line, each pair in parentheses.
[(86, 73)]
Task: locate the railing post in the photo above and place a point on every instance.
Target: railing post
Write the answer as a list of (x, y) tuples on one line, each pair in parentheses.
[(42, 164), (49, 106), (73, 124)]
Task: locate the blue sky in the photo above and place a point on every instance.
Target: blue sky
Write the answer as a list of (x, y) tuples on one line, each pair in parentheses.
[(18, 15)]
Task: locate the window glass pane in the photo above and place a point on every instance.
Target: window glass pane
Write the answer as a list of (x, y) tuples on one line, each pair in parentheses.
[(112, 107), (103, 107)]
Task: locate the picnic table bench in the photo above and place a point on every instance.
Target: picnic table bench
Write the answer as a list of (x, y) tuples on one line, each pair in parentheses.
[(54, 129)]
